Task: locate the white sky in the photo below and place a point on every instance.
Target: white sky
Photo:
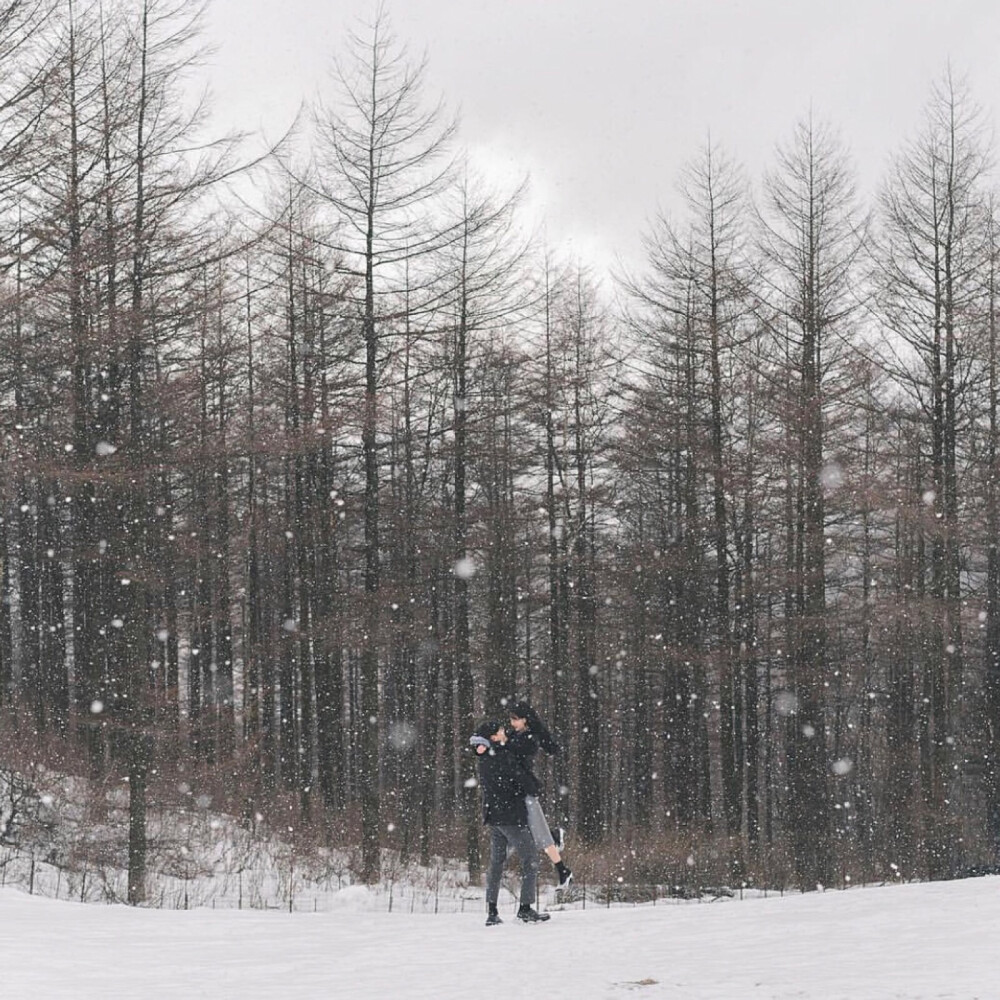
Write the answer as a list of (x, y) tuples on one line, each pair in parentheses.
[(602, 101)]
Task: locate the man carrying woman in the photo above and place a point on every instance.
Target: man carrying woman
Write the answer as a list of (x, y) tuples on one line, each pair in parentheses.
[(505, 783)]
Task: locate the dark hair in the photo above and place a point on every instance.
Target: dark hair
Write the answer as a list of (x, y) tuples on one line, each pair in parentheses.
[(520, 710), (488, 728)]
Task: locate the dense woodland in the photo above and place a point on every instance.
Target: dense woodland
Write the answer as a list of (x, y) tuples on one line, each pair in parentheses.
[(310, 459)]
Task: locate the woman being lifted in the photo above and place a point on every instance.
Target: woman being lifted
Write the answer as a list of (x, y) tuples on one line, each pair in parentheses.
[(527, 734)]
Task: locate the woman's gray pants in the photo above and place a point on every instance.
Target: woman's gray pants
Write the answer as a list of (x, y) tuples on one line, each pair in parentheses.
[(537, 823), (519, 839)]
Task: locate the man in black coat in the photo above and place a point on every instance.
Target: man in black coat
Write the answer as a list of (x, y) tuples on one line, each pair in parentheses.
[(505, 781)]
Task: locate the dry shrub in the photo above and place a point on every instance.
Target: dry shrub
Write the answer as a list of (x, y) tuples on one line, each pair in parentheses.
[(676, 863)]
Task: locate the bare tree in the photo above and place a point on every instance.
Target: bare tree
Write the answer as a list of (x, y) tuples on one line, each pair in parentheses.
[(381, 163), (931, 257), (812, 234)]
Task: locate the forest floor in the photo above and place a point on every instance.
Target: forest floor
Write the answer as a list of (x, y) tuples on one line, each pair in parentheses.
[(912, 941)]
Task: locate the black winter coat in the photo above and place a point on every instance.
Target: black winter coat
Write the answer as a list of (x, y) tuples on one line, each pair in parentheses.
[(505, 781), (527, 742)]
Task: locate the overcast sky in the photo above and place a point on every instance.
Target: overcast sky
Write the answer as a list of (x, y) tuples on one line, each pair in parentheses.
[(602, 101)]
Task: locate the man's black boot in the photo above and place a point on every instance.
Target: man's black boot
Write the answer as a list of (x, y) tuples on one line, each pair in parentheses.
[(492, 917), (530, 916)]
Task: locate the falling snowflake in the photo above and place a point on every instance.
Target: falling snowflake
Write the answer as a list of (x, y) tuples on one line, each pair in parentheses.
[(786, 703), (465, 568), (402, 735), (831, 476)]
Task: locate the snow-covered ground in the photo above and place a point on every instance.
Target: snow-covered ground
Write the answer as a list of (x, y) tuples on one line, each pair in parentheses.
[(934, 940)]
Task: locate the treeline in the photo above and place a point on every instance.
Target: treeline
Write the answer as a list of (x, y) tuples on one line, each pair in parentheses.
[(308, 462)]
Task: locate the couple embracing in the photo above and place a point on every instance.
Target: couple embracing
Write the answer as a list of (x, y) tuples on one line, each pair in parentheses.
[(510, 805)]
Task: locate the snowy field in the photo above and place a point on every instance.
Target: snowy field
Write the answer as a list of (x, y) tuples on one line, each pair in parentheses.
[(935, 940)]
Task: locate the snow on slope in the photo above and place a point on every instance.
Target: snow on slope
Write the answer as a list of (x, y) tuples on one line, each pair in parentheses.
[(934, 940)]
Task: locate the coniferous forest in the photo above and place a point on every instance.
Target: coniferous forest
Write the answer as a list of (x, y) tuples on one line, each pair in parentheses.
[(312, 457)]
